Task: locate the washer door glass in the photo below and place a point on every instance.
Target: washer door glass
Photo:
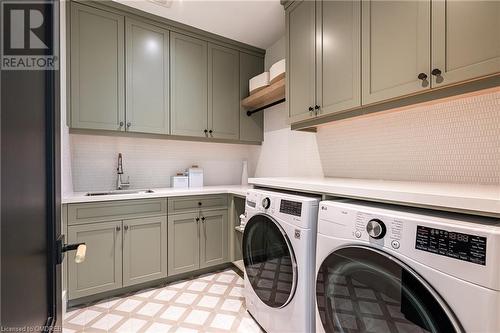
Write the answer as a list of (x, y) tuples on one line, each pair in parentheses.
[(360, 289), (270, 264)]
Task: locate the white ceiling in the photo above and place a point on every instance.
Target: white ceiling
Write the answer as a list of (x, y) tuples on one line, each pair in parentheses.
[(256, 22)]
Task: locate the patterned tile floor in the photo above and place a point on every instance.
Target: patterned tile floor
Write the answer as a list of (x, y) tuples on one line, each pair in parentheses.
[(209, 303)]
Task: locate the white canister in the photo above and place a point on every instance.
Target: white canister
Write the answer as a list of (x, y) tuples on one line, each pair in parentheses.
[(195, 177), (180, 181)]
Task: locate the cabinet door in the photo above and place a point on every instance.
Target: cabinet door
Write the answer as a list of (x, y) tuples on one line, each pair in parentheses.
[(147, 78), (144, 250), (102, 269), (223, 92), (465, 40), (213, 240), (301, 64), (97, 69), (251, 128), (189, 85), (339, 63), (183, 243), (396, 48)]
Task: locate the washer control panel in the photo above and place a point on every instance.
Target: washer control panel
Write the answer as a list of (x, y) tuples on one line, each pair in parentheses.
[(456, 245), (381, 230)]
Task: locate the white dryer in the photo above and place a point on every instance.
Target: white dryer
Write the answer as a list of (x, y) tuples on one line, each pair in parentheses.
[(382, 268), (278, 253)]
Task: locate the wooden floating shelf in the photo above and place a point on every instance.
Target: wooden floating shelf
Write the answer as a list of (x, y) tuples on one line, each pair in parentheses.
[(269, 96)]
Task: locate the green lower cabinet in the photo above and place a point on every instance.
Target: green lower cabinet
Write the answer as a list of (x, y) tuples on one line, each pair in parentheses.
[(102, 269), (144, 250), (197, 240), (183, 243), (213, 238)]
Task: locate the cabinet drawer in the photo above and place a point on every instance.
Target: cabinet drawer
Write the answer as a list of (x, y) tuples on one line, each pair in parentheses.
[(193, 203), (115, 210)]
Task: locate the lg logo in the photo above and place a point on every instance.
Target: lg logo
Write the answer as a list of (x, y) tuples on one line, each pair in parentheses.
[(29, 35)]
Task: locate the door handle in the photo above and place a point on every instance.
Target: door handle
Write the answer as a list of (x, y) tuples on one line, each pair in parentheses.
[(197, 219), (62, 248), (204, 226)]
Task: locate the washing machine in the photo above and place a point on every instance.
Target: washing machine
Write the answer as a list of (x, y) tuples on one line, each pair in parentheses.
[(382, 268), (278, 253)]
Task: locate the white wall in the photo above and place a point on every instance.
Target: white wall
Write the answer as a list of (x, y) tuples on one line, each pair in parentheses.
[(150, 162), (284, 152), (455, 140)]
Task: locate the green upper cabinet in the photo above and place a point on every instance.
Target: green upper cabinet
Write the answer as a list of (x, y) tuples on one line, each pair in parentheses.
[(188, 85), (223, 92), (339, 55), (465, 40), (251, 128), (147, 78), (301, 62), (144, 250), (396, 48), (133, 74), (97, 69)]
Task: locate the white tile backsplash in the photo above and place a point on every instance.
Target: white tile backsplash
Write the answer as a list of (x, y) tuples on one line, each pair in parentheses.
[(150, 162), (456, 140)]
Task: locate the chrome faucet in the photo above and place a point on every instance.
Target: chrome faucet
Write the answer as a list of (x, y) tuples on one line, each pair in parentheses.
[(120, 185)]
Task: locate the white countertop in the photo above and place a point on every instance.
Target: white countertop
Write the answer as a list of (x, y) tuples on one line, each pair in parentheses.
[(477, 199), (81, 197)]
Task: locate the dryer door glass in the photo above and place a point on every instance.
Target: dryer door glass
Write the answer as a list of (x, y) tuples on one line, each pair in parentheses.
[(361, 289), (270, 264)]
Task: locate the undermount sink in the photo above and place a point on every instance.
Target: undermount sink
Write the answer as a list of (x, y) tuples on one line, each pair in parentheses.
[(117, 192)]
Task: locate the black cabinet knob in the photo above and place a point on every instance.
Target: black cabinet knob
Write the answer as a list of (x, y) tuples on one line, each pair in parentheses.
[(311, 108), (316, 107), (436, 72), (210, 131), (206, 131), (199, 203), (422, 76)]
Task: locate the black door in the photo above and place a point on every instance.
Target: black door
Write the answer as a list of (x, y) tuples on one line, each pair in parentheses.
[(30, 199), (270, 263), (361, 289)]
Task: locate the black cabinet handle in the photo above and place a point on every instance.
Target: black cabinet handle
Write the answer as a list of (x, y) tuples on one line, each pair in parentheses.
[(422, 76), (316, 107), (197, 219), (311, 108), (210, 131), (203, 219), (436, 72), (206, 131), (199, 203)]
